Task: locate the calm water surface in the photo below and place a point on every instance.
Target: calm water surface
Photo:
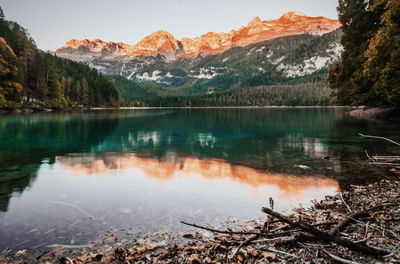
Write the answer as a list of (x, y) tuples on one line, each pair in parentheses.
[(66, 178)]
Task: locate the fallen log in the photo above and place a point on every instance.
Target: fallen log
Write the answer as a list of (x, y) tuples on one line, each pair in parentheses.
[(324, 235)]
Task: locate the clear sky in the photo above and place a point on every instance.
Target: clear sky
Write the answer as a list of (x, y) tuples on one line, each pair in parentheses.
[(53, 22)]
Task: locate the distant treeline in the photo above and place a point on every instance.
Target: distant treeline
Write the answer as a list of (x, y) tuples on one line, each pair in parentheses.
[(30, 77), (369, 73), (306, 94)]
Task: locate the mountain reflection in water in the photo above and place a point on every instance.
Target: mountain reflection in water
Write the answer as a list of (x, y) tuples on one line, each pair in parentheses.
[(292, 188)]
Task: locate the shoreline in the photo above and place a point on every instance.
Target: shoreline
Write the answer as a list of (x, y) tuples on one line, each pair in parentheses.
[(374, 207), (370, 113), (38, 110)]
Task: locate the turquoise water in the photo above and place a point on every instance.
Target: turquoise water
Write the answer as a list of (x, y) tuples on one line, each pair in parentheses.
[(66, 178)]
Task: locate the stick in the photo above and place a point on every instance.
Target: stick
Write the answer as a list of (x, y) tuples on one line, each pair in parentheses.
[(324, 235), (74, 207), (278, 240), (278, 251), (394, 142), (348, 207), (386, 163), (347, 221), (244, 243), (368, 156), (224, 231), (387, 157), (67, 246), (342, 260)]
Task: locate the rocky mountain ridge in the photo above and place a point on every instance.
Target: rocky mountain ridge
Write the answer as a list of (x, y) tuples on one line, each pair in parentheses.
[(164, 43)]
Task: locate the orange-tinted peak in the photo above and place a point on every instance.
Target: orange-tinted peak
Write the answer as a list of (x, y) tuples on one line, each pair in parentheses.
[(256, 20), (161, 33), (293, 15)]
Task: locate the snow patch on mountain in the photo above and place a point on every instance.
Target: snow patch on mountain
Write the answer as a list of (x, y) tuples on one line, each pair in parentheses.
[(260, 49), (155, 76), (335, 50), (269, 54), (313, 64), (278, 60), (208, 73)]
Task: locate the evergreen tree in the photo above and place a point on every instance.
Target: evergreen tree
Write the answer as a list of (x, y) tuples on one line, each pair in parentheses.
[(382, 67), (85, 92), (369, 73), (2, 16), (10, 87), (359, 24)]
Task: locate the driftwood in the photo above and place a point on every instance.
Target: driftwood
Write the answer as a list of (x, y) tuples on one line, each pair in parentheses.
[(324, 235)]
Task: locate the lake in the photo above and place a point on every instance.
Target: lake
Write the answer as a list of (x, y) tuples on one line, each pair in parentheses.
[(68, 177)]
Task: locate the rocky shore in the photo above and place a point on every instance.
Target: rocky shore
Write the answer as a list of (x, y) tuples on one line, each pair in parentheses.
[(360, 225)]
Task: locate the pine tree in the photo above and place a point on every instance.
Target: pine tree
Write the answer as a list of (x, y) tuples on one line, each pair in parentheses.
[(383, 56), (85, 92), (10, 87), (2, 16), (359, 25)]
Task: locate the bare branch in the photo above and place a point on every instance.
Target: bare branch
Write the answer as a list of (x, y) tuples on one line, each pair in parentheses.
[(391, 141)]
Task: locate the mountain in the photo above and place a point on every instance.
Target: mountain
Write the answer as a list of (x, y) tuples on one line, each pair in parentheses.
[(162, 42), (294, 48)]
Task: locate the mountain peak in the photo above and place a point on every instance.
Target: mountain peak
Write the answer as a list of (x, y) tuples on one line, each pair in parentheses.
[(160, 41), (293, 15), (256, 20), (161, 33)]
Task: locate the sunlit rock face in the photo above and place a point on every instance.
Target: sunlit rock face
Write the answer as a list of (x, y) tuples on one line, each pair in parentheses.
[(162, 42), (292, 23)]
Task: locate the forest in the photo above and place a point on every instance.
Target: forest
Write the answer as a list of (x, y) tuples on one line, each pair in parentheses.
[(305, 94), (31, 78), (369, 73)]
